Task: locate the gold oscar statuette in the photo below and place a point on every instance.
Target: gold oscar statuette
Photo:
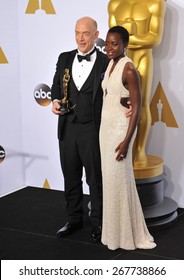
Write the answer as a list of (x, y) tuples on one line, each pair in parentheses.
[(64, 101)]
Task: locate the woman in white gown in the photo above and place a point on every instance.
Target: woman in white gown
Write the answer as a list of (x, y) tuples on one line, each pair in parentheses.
[(123, 221)]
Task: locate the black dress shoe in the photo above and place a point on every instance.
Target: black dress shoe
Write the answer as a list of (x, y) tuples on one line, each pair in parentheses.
[(68, 229), (96, 234)]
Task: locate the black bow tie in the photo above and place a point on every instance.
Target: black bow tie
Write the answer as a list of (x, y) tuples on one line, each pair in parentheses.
[(81, 57), (86, 57)]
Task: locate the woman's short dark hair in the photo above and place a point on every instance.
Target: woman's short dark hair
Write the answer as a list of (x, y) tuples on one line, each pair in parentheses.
[(121, 31)]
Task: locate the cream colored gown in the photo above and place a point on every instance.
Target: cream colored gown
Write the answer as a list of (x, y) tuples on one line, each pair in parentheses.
[(123, 221)]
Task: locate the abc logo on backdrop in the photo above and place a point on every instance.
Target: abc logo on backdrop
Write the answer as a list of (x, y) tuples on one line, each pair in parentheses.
[(42, 94), (2, 154), (100, 45)]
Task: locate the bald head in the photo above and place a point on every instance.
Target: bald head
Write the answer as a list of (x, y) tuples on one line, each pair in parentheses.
[(88, 21), (86, 34)]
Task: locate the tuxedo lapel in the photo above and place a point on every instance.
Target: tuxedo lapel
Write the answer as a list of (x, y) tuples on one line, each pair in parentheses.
[(98, 73), (67, 64), (70, 59)]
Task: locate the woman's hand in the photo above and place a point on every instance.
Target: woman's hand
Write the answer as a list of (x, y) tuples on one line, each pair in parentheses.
[(129, 111), (121, 151)]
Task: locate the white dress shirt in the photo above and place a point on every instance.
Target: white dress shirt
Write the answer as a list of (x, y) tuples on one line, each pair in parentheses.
[(81, 70)]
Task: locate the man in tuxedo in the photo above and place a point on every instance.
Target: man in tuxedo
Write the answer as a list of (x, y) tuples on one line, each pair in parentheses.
[(78, 129)]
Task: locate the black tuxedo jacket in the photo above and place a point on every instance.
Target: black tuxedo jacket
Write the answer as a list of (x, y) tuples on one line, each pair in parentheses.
[(65, 60)]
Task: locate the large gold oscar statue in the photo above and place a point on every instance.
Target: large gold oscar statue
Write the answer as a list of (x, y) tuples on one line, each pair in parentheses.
[(144, 19)]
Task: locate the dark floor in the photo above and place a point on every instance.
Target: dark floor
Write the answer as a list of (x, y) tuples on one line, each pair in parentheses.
[(31, 216)]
